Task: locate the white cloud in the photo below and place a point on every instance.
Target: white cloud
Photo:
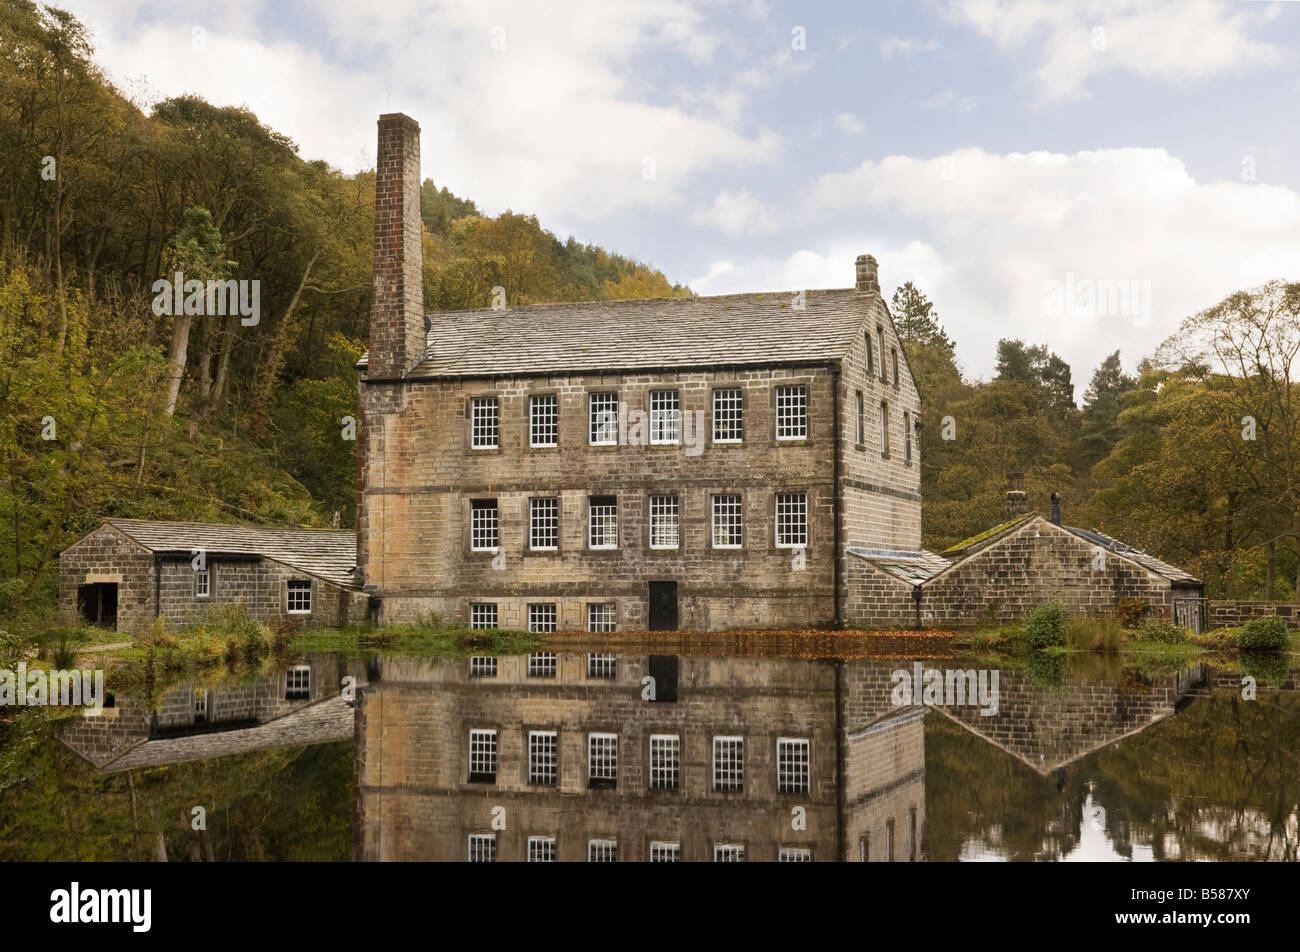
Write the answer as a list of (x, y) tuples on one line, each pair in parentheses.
[(553, 123), (1005, 226), (847, 122), (736, 214), (948, 99), (891, 46), (1176, 41)]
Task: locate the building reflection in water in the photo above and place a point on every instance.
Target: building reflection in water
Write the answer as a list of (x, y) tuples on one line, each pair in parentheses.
[(577, 757)]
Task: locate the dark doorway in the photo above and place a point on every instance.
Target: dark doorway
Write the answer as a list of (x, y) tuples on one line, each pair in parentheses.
[(97, 603), (663, 668), (663, 606)]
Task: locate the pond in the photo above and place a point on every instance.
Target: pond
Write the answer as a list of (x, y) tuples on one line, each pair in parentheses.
[(712, 754)]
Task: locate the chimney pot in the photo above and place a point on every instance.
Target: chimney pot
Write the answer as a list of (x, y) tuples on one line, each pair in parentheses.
[(868, 275), (1017, 502)]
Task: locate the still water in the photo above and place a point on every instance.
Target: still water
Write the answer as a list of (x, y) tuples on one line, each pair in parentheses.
[(593, 756)]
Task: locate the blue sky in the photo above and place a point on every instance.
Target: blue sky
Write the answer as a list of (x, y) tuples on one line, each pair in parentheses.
[(994, 152)]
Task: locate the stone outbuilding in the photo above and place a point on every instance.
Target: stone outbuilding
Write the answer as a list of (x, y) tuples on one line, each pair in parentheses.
[(1002, 574), (127, 571)]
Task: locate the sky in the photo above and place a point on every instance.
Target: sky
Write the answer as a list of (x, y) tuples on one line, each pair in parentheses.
[(1079, 173)]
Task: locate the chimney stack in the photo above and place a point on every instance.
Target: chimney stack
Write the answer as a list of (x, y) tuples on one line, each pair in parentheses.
[(1056, 508), (1017, 502), (397, 335), (868, 278)]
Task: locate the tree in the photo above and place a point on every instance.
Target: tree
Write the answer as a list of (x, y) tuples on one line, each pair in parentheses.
[(1099, 423)]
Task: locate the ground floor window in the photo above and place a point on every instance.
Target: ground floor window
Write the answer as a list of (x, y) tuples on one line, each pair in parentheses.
[(541, 618), (483, 848), (541, 849), (600, 617), (662, 851), (602, 851), (203, 583), (299, 596), (483, 615)]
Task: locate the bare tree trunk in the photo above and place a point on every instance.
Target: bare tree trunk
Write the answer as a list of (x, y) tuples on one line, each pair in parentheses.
[(176, 357), (223, 369), (1270, 571)]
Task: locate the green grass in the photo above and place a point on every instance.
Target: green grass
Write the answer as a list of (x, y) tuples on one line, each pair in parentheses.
[(436, 640)]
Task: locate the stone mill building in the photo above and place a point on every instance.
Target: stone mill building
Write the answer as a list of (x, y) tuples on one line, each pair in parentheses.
[(704, 463)]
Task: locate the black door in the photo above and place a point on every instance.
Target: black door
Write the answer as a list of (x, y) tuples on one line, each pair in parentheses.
[(98, 603), (663, 606)]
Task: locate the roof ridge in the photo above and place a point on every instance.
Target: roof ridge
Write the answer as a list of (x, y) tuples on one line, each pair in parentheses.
[(642, 301)]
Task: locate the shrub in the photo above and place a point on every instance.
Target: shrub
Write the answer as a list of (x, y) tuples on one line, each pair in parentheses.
[(1262, 634), (1093, 634), (1046, 625), (1130, 611), (1265, 668), (1162, 632)]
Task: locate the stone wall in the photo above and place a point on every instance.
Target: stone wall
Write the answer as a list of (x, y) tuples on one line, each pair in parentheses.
[(420, 475), (1034, 564), (1233, 614), (107, 555), (874, 598)]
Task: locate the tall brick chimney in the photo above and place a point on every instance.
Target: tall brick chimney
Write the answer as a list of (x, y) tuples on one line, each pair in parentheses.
[(397, 336), (868, 278)]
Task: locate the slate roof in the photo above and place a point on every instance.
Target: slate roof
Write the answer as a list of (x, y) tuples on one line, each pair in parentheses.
[(657, 333), (327, 720), (1148, 562), (326, 553), (914, 568)]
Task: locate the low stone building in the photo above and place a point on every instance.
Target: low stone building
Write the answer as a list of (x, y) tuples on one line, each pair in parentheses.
[(1002, 574), (127, 572)]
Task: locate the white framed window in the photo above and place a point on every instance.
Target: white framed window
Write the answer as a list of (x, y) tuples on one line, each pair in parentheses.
[(297, 683), (482, 756), (482, 847), (203, 583), (544, 524), (602, 851), (543, 757), (541, 849), (200, 705), (601, 665), (541, 618), (907, 437), (485, 423), (483, 615), (602, 760), (792, 759), (884, 428), (728, 853), (665, 761), (543, 420), (864, 848), (298, 596), (728, 416), (665, 522), (791, 520), (728, 764), (889, 841), (792, 412), (541, 664), (484, 525), (794, 854), (665, 417), (602, 522), (665, 851), (600, 617), (727, 524), (482, 666), (602, 411)]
